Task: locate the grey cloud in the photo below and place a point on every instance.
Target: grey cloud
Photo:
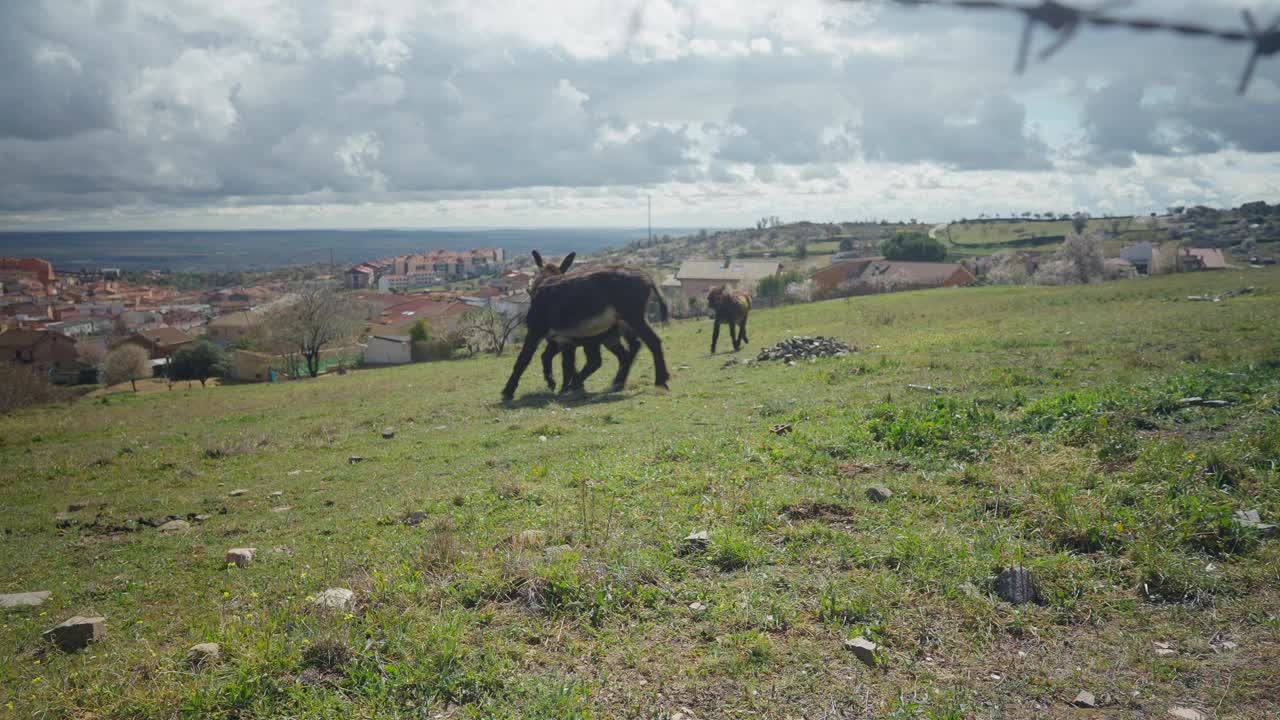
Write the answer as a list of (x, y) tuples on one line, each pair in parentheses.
[(995, 139)]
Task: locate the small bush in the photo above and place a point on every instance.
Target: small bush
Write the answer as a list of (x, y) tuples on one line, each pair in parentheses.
[(23, 387)]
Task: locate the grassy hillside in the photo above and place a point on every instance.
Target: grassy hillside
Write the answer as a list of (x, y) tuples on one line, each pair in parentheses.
[(983, 237), (1053, 436)]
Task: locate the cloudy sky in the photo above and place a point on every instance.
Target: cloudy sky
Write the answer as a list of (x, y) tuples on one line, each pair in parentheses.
[(435, 113)]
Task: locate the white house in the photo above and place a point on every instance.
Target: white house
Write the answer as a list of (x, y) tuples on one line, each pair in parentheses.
[(389, 350)]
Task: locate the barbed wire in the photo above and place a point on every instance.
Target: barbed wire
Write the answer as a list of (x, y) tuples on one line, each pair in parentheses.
[(1066, 20)]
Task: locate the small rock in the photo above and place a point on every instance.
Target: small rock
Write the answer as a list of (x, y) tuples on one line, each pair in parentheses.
[(414, 518), (695, 542), (26, 599), (201, 518), (174, 526), (879, 493), (330, 503), (1085, 699), (238, 493), (697, 607), (282, 508), (77, 632), (555, 552), (240, 557), (1186, 713), (529, 540), (388, 433), (1227, 645), (78, 506), (1017, 585), (335, 599), (204, 654), (1165, 652), (1253, 519), (864, 649), (277, 493), (354, 459), (542, 438)]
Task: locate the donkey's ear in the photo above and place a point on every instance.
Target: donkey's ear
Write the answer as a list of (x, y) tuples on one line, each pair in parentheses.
[(567, 261), (537, 259)]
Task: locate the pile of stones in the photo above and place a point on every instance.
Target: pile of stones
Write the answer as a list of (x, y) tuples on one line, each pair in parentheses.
[(804, 347)]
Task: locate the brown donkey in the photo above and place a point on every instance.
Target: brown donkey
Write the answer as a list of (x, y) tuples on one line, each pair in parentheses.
[(584, 307), (732, 307), (572, 379)]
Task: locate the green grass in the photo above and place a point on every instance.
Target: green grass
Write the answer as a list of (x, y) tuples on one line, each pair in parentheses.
[(987, 237), (1054, 438)]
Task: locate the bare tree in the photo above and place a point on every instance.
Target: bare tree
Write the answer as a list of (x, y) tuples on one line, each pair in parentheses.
[(484, 328), (1078, 261), (126, 362), (319, 318), (1007, 268)]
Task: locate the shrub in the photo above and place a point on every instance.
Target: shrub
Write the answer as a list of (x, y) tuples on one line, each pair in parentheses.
[(198, 360), (22, 387), (913, 246)]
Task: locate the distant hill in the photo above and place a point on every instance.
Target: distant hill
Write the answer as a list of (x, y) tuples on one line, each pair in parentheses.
[(203, 251), (799, 245)]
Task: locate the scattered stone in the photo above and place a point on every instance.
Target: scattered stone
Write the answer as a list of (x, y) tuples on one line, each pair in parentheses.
[(282, 550), (780, 429), (1186, 713), (77, 632), (1016, 585), (864, 649), (204, 654), (335, 599), (175, 526), (240, 557), (1165, 652), (200, 518), (415, 518), (330, 503), (354, 459), (282, 508), (1224, 646), (1085, 699), (278, 493), (879, 493), (804, 347), (697, 607), (26, 599), (695, 542), (556, 552), (83, 505), (388, 433), (238, 493), (1251, 518), (528, 540)]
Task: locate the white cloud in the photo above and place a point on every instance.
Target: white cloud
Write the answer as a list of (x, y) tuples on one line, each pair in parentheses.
[(486, 112)]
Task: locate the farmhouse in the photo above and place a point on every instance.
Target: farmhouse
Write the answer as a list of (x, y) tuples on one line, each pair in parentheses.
[(389, 350), (249, 366), (161, 342), (865, 276), (1193, 259), (229, 328), (697, 277), (1146, 258), (43, 350)]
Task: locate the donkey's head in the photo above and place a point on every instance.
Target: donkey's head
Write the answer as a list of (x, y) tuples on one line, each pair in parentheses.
[(549, 270), (716, 296)]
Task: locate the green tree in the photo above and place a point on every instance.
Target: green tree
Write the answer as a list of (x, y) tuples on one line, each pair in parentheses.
[(802, 248), (420, 332), (913, 246), (199, 360), (773, 289), (846, 244)]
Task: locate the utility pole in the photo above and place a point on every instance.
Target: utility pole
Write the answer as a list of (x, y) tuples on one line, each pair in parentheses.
[(649, 200)]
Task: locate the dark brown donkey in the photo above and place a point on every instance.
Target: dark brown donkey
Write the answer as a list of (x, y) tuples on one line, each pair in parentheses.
[(573, 380), (732, 307), (584, 306)]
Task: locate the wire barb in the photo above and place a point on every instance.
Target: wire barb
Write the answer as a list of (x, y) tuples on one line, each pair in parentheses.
[(1066, 20)]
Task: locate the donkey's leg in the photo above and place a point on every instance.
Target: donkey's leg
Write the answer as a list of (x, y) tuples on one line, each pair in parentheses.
[(715, 334), (735, 335), (592, 349), (744, 329), (641, 327), (548, 357), (531, 342), (568, 357), (625, 361)]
